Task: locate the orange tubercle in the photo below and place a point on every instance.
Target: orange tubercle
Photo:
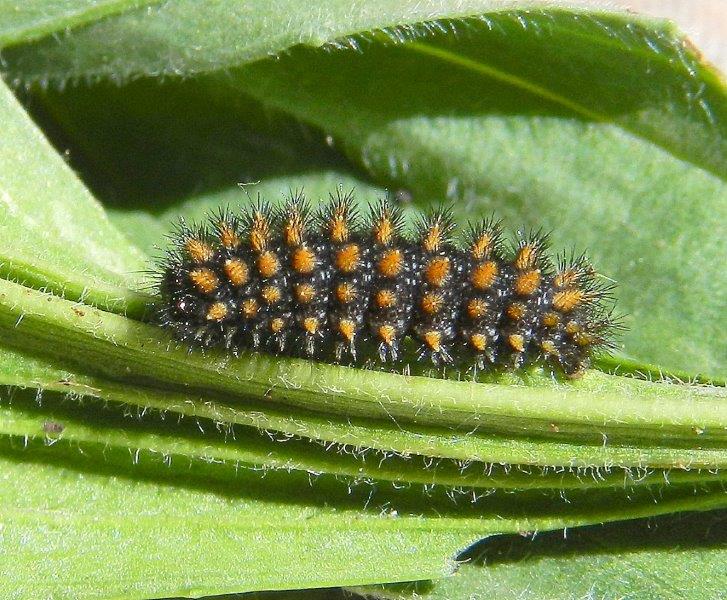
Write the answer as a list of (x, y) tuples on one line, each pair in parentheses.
[(303, 260), (267, 264), (345, 293), (347, 258), (433, 339), (478, 342), (310, 324), (391, 263), (385, 298), (515, 311), (387, 334), (250, 308), (347, 329), (481, 247), (383, 231), (527, 283), (304, 293), (476, 308), (526, 258), (517, 342), (432, 303), (237, 272), (271, 294), (198, 250), (217, 311), (437, 271), (483, 275), (228, 236), (277, 324), (204, 280), (568, 299)]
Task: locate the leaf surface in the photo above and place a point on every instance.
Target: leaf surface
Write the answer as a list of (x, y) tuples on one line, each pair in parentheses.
[(666, 558), (55, 234), (161, 513), (190, 37)]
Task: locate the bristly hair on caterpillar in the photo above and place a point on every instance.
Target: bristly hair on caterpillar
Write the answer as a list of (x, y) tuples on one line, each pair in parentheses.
[(334, 286)]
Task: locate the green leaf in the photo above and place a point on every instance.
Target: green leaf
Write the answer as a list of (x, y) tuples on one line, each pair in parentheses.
[(154, 528), (186, 37), (665, 558), (209, 435), (56, 235), (26, 21), (600, 461)]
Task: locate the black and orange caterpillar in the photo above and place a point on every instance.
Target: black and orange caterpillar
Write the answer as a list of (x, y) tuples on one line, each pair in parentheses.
[(327, 284)]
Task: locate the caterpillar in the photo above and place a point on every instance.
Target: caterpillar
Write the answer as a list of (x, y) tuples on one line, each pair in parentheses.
[(331, 285)]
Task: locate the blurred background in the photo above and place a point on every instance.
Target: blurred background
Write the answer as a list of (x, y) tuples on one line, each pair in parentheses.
[(705, 21)]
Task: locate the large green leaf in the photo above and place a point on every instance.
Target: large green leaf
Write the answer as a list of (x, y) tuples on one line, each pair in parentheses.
[(156, 529), (55, 235), (112, 425), (666, 558), (360, 435), (191, 37)]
